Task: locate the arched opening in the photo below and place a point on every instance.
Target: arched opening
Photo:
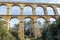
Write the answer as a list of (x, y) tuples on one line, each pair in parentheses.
[(39, 11), (41, 23), (58, 10), (27, 10), (15, 10), (50, 11), (14, 22), (52, 20), (28, 28), (14, 27), (3, 10)]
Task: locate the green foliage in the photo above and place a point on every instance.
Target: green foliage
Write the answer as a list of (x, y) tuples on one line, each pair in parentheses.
[(4, 34), (52, 32), (58, 28), (29, 31)]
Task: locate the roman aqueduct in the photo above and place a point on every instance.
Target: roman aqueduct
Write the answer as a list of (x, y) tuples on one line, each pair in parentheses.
[(21, 17)]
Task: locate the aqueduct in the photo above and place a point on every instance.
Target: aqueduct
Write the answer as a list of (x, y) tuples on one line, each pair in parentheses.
[(21, 17)]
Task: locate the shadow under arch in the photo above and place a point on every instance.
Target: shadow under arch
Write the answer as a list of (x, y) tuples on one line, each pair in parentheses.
[(28, 5), (15, 28), (15, 5), (29, 17), (28, 28)]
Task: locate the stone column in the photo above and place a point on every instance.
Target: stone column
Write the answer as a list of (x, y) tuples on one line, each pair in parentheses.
[(47, 21), (55, 10), (34, 10), (45, 10), (21, 9), (47, 24), (21, 29), (9, 6), (36, 29), (8, 25), (7, 18)]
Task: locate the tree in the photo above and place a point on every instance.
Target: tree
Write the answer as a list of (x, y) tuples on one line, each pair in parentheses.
[(52, 32), (4, 33), (58, 28), (15, 31), (29, 28)]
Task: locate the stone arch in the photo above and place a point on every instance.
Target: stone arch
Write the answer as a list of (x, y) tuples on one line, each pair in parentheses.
[(14, 17), (29, 17), (28, 5), (15, 10), (50, 10), (58, 10), (15, 5), (15, 27), (41, 22), (28, 28), (50, 6), (42, 17), (14, 22), (39, 6), (39, 10), (53, 17), (52, 20), (2, 19), (3, 4), (3, 10), (27, 11)]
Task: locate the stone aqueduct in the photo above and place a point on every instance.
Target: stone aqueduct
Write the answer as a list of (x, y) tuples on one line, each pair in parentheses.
[(21, 17)]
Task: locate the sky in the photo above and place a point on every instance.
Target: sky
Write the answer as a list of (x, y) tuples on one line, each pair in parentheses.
[(40, 1), (39, 10)]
